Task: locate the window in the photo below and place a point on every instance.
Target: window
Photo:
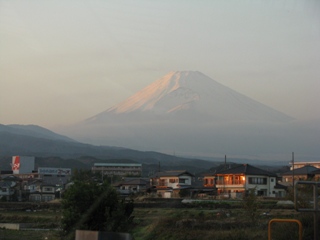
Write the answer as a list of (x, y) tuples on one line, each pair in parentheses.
[(47, 198), (257, 180), (208, 181), (47, 189), (162, 182), (182, 180), (172, 180), (261, 192)]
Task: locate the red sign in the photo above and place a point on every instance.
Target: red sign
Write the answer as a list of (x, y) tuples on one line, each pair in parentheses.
[(15, 163)]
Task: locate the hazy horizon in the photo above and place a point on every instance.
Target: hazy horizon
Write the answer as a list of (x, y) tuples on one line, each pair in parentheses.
[(191, 114), (64, 61)]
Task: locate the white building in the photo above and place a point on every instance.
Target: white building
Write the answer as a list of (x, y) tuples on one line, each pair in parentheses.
[(118, 169)]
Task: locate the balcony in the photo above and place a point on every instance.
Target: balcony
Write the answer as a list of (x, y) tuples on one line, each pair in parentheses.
[(231, 183), (208, 185), (171, 185), (230, 186)]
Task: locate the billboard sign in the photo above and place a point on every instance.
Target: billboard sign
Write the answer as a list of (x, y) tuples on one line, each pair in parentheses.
[(15, 163), (54, 171), (22, 164)]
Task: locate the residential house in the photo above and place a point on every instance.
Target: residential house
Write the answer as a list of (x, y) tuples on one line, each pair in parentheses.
[(304, 173), (168, 184), (132, 185), (12, 178), (46, 193), (235, 181), (6, 190), (33, 186), (10, 188), (297, 165), (55, 176), (316, 175), (204, 186)]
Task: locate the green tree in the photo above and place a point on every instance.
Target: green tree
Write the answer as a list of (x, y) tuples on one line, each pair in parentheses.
[(88, 205), (82, 175), (250, 204)]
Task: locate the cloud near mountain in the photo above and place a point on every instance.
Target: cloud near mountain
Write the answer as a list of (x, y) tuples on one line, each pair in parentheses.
[(187, 112)]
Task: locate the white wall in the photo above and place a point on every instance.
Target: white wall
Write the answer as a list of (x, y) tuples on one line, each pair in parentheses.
[(188, 180), (268, 187)]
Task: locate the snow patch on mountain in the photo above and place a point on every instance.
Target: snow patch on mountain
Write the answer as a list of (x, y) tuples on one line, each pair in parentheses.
[(191, 93)]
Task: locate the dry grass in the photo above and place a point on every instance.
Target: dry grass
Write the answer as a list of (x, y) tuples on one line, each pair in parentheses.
[(28, 235), (177, 224), (189, 224)]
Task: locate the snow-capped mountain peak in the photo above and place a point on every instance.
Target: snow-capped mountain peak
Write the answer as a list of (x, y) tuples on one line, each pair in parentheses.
[(190, 113), (162, 96), (192, 93)]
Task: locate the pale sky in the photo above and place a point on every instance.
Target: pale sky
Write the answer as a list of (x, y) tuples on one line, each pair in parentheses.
[(64, 61)]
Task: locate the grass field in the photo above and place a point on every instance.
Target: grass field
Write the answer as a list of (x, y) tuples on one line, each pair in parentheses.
[(44, 225), (28, 235), (195, 224), (173, 223)]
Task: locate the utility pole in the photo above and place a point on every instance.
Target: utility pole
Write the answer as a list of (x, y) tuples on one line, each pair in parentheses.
[(225, 167), (293, 172)]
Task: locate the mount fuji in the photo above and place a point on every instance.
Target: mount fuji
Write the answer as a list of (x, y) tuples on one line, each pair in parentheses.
[(190, 95), (188, 113)]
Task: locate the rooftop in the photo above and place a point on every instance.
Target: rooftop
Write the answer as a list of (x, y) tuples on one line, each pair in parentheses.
[(247, 169), (117, 164), (175, 173), (302, 171)]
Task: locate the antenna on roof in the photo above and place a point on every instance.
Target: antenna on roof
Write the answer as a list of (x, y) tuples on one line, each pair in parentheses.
[(159, 167), (225, 161)]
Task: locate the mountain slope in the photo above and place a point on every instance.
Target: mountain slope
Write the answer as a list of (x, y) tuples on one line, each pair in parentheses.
[(33, 131), (190, 93), (191, 114), (53, 151)]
